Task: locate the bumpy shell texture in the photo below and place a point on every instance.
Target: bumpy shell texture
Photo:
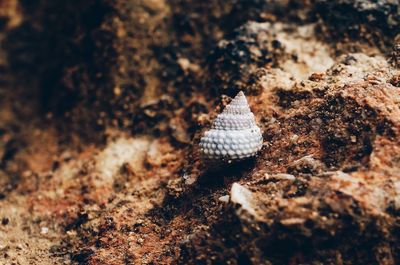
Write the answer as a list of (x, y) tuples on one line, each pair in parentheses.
[(234, 134)]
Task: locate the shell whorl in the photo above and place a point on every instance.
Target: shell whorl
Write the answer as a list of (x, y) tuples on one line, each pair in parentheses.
[(234, 134)]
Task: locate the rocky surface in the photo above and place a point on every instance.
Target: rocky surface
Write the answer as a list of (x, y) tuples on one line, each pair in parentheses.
[(103, 104)]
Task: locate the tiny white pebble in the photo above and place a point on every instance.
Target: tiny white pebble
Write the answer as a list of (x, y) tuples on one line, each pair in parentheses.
[(224, 198), (44, 230)]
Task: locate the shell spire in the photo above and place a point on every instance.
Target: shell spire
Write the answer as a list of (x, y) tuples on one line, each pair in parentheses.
[(234, 134)]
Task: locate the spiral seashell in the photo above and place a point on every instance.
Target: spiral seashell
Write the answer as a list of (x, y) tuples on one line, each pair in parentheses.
[(234, 134)]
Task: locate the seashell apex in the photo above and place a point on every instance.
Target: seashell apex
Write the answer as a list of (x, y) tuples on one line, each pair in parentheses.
[(234, 134)]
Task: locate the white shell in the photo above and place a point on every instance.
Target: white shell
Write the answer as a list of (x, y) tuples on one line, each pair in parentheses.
[(234, 134)]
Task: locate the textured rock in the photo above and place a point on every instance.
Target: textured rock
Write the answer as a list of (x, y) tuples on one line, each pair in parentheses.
[(361, 18), (243, 62), (101, 102), (338, 137)]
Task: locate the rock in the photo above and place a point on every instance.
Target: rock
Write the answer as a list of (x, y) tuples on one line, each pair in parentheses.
[(344, 160), (224, 199), (361, 18), (243, 198), (102, 103)]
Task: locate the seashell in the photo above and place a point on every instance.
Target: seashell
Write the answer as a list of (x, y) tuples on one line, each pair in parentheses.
[(234, 134)]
